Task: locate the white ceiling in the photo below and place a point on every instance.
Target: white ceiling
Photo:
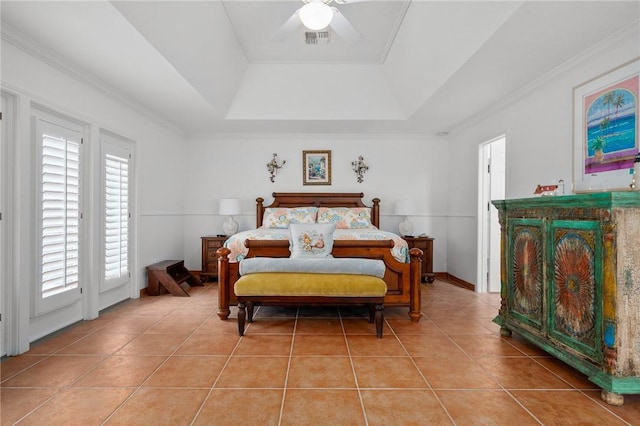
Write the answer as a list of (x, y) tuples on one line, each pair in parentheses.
[(211, 66)]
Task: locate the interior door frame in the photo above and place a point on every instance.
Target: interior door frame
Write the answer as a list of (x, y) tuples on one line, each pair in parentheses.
[(486, 234)]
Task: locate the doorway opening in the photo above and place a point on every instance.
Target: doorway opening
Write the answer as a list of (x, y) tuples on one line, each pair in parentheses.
[(491, 186)]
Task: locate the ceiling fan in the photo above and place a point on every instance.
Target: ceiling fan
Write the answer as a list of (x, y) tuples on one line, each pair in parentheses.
[(317, 15)]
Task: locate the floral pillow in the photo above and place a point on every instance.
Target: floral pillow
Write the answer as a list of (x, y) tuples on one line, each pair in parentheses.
[(346, 217), (311, 240), (281, 217)]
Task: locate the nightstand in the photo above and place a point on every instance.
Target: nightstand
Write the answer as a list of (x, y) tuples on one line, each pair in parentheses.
[(210, 244), (426, 245)]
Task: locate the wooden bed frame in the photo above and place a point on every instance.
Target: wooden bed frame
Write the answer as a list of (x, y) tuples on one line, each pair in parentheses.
[(403, 279)]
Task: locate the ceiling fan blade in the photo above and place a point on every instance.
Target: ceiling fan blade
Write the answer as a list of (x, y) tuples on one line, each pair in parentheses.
[(343, 27), (288, 27)]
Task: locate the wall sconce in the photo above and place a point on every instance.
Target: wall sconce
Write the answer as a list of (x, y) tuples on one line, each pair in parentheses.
[(359, 167), (273, 167)]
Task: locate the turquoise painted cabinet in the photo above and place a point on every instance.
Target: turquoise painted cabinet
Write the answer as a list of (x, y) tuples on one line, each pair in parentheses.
[(570, 275)]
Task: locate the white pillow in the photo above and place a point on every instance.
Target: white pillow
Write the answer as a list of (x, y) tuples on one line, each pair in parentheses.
[(311, 240)]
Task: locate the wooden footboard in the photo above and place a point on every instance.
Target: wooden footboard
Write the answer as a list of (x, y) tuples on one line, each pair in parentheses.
[(403, 279)]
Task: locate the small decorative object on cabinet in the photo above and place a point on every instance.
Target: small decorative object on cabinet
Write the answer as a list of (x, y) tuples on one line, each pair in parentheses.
[(426, 245), (170, 275), (210, 244), (570, 274)]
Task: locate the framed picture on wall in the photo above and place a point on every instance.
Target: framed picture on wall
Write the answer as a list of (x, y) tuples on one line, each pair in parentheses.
[(605, 130), (316, 167)]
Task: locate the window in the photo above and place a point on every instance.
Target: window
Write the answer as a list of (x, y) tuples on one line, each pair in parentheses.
[(116, 159), (59, 151)]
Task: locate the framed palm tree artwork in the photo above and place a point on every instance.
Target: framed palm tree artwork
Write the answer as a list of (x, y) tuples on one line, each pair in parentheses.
[(605, 130)]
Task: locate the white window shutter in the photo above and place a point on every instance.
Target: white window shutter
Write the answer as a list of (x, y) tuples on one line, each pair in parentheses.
[(60, 214), (116, 219)]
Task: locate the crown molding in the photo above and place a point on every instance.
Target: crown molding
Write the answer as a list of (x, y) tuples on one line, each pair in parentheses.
[(591, 52), (17, 39)]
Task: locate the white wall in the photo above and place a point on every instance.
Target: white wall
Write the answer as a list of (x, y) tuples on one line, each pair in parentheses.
[(159, 164), (233, 166), (539, 149)]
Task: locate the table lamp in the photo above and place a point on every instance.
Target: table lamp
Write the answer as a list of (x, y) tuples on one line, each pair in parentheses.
[(229, 207), (405, 207)]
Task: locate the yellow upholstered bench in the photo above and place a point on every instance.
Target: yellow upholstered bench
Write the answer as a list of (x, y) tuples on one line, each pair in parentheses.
[(278, 288)]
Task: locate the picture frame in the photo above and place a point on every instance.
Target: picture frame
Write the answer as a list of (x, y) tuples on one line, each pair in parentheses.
[(316, 167), (605, 130)]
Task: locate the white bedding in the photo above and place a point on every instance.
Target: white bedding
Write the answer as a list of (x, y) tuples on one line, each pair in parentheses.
[(235, 243)]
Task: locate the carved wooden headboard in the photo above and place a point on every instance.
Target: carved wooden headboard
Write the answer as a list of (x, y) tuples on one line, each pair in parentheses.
[(318, 199)]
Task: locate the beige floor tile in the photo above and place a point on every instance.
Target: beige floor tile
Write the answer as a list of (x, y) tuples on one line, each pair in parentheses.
[(309, 344), (430, 345), (254, 372), (260, 344), (54, 344), (487, 407), (78, 406), (420, 407), (548, 406), (118, 370), (521, 373), (209, 344), (363, 326), (176, 325), (406, 326), (322, 407), (485, 345), (370, 345), (159, 406), (269, 326), (455, 372), (187, 372), (15, 364), (153, 344), (98, 344), (18, 402), (320, 372), (130, 325), (319, 326), (55, 371), (223, 407), (387, 372)]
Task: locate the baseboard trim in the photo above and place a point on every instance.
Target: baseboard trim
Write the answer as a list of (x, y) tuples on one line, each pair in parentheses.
[(452, 279)]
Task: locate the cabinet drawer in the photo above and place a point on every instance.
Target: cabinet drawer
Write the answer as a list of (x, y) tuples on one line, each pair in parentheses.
[(214, 244), (211, 267)]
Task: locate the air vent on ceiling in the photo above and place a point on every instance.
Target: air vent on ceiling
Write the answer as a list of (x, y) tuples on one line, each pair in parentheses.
[(316, 37)]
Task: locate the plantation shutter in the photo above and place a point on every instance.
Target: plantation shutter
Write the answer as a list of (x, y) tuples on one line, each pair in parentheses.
[(60, 214), (116, 229)]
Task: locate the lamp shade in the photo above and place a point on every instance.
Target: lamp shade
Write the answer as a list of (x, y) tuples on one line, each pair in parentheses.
[(405, 207), (229, 206), (316, 15)]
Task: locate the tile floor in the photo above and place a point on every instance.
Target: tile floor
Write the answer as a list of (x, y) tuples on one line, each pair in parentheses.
[(169, 360)]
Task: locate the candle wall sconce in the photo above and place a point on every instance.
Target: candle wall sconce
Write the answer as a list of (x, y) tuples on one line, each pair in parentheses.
[(273, 167), (360, 168)]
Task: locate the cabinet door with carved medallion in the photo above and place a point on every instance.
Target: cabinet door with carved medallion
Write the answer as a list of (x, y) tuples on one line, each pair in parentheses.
[(575, 286), (525, 268)]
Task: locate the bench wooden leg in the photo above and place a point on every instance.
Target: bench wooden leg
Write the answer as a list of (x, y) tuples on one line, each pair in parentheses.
[(250, 311), (241, 316), (379, 323)]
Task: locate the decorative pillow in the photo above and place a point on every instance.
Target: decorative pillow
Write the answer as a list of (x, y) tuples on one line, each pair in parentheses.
[(311, 240), (281, 217), (346, 217)]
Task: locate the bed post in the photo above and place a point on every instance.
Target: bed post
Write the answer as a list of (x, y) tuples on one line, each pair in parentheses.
[(259, 211), (415, 279), (223, 282), (375, 212)]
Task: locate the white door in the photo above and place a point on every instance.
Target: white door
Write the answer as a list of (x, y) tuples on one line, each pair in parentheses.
[(116, 218), (491, 187), (58, 147), (3, 281)]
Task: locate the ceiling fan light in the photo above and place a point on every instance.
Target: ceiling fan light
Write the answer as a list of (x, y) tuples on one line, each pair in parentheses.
[(316, 15)]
